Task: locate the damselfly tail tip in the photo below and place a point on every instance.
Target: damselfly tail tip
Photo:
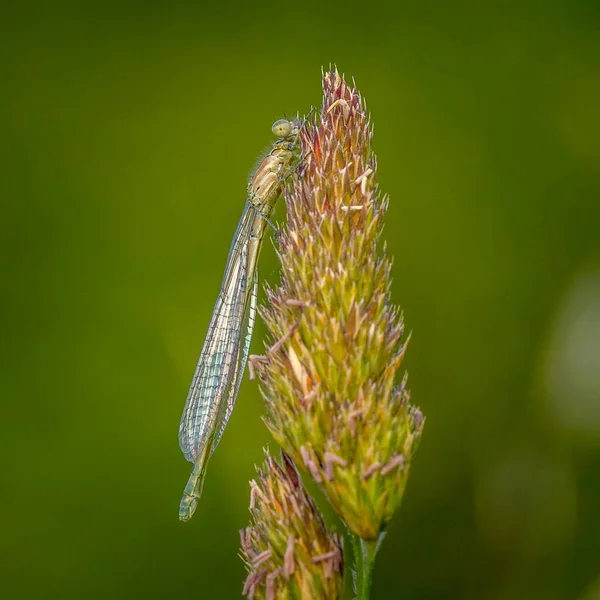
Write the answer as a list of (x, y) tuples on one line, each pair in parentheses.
[(187, 507), (193, 488)]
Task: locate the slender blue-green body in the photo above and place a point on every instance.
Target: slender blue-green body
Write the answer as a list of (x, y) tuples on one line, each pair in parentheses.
[(218, 375)]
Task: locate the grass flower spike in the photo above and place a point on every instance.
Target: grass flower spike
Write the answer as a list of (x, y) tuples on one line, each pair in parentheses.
[(334, 401), (287, 550)]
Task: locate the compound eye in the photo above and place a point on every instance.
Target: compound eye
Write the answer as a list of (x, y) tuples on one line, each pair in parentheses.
[(282, 128)]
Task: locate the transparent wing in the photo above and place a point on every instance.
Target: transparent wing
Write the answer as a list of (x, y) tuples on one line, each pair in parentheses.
[(218, 360), (244, 349), (212, 434)]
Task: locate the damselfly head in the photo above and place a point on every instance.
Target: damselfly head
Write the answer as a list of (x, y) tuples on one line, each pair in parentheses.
[(283, 128)]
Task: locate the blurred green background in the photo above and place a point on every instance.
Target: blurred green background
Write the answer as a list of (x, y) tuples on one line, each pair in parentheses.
[(127, 132)]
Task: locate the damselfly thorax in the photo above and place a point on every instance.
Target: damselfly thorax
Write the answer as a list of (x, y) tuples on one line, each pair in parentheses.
[(269, 176)]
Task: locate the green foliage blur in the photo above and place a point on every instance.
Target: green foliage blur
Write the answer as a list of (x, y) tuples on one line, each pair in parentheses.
[(127, 132)]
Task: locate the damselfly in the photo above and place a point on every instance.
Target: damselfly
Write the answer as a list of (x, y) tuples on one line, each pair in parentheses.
[(218, 375)]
